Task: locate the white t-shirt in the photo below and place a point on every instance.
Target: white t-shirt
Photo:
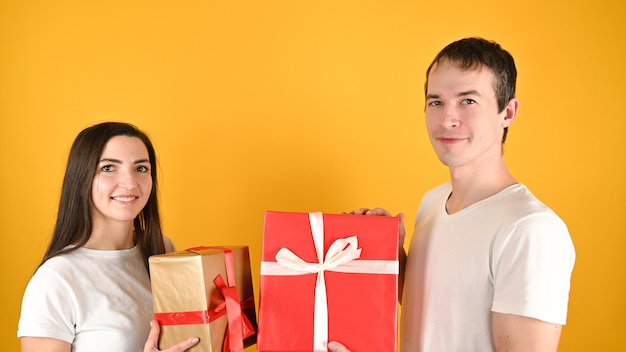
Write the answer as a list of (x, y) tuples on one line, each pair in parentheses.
[(508, 253), (96, 300)]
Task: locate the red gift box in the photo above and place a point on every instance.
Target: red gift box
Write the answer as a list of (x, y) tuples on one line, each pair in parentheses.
[(328, 278)]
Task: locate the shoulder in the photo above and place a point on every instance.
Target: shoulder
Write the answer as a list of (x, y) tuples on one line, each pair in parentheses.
[(441, 191), (169, 245), (518, 204), (60, 273), (45, 301), (60, 265), (532, 222), (433, 197)]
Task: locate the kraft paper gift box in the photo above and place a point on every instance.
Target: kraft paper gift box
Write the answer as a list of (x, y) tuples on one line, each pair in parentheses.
[(327, 278), (205, 292)]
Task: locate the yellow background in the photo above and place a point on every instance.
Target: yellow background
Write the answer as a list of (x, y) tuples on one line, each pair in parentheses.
[(310, 106)]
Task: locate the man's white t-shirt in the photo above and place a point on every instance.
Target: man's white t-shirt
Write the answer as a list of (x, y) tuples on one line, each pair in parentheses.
[(508, 253), (96, 300)]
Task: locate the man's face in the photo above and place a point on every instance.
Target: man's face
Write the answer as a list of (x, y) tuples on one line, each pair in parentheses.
[(462, 118)]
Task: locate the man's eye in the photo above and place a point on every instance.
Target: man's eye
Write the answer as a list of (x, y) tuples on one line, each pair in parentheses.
[(434, 103), (468, 101)]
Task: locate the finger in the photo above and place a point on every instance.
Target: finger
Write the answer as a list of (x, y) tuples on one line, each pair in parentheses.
[(183, 346), (377, 212), (360, 211), (335, 346), (153, 337)]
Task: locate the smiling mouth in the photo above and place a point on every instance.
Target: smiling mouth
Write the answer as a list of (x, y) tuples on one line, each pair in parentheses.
[(124, 199)]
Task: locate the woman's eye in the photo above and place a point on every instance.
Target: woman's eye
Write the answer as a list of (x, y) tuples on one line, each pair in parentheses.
[(143, 168), (107, 168)]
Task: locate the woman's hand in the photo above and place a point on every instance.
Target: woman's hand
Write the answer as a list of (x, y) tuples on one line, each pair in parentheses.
[(153, 341), (335, 346)]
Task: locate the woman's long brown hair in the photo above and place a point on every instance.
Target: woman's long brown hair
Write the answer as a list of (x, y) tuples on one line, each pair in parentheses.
[(74, 222)]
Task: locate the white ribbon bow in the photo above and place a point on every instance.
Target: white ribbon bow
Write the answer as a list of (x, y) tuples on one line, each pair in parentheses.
[(340, 257)]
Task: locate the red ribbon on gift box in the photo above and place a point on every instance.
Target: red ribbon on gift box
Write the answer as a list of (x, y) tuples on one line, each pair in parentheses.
[(205, 316), (191, 317), (239, 326)]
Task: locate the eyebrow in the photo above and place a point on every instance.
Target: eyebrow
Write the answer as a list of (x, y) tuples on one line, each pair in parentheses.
[(461, 94), (469, 92), (117, 161)]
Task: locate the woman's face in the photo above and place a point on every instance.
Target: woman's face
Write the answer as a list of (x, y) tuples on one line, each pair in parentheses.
[(122, 184)]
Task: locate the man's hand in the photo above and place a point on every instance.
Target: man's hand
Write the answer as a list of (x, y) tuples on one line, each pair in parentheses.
[(153, 341), (382, 212), (335, 346)]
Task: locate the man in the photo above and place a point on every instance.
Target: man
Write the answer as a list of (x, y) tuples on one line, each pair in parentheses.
[(489, 265)]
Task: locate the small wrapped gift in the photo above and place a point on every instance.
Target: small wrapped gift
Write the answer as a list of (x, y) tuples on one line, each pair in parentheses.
[(328, 278), (205, 292)]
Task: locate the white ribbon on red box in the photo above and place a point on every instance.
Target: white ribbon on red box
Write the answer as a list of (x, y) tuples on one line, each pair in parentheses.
[(340, 257)]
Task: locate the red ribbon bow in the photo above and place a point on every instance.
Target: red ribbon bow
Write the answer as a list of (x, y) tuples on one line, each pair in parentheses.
[(239, 326)]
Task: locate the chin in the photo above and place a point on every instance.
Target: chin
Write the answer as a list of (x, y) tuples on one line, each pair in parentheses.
[(451, 162)]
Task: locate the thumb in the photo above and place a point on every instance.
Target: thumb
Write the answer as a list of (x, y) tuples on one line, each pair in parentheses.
[(401, 229), (153, 337), (335, 346)]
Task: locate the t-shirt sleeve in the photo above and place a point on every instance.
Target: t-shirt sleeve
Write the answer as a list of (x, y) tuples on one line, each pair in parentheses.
[(532, 269), (47, 307)]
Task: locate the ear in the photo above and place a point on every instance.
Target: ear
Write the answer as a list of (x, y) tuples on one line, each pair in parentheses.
[(510, 112)]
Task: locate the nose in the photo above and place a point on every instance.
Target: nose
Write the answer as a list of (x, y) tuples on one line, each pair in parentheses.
[(449, 117), (127, 179)]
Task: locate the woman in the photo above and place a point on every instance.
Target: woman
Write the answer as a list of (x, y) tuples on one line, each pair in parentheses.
[(92, 290)]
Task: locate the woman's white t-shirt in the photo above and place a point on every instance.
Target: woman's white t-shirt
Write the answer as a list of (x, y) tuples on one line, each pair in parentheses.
[(96, 300)]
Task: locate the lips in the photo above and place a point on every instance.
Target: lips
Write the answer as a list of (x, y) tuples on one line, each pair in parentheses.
[(449, 140)]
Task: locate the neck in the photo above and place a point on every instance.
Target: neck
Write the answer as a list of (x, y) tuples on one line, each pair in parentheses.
[(470, 186), (111, 236)]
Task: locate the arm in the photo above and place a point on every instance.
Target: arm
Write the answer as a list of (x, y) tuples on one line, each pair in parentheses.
[(41, 344), (513, 333)]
